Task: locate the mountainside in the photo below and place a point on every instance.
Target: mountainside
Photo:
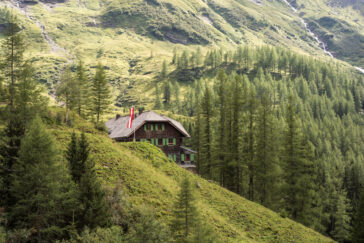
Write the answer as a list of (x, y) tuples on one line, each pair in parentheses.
[(338, 23), (131, 38), (148, 177)]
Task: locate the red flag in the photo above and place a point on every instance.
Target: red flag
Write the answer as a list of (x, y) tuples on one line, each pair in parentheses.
[(130, 122)]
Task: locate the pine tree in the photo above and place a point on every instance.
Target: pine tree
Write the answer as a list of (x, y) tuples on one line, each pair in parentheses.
[(185, 213), (358, 233), (43, 193), (101, 93)]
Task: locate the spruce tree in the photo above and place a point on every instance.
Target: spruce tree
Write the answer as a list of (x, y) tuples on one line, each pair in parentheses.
[(95, 210), (185, 212), (43, 193), (77, 154), (100, 92)]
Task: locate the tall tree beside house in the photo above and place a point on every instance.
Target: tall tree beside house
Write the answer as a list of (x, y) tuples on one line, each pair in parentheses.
[(43, 192), (67, 91), (101, 93), (83, 90), (184, 212)]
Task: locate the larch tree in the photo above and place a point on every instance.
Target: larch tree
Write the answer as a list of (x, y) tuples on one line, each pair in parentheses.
[(83, 90), (101, 93), (67, 91)]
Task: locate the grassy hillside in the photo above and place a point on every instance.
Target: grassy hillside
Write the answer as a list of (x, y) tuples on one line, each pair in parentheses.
[(148, 177), (132, 38), (339, 23)]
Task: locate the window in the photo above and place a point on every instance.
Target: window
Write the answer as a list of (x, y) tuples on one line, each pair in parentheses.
[(145, 127), (156, 127), (163, 127), (182, 157), (192, 157), (156, 141), (170, 156), (171, 141), (151, 127), (174, 157)]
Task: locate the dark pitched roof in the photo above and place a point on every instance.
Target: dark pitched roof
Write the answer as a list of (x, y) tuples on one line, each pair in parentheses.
[(118, 126)]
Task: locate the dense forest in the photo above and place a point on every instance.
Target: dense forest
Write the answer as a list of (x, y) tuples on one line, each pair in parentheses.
[(282, 129)]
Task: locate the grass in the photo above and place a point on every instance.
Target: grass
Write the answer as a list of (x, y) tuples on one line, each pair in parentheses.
[(80, 28), (149, 177)]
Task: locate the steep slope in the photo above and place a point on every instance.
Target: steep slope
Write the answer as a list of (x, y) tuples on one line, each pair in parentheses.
[(338, 23), (132, 38), (150, 178)]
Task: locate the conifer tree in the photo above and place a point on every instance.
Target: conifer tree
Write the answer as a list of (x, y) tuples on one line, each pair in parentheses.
[(299, 171), (101, 93), (267, 168), (67, 91), (358, 232), (342, 223), (43, 193), (167, 93), (164, 71), (157, 103), (205, 160), (95, 212), (77, 155), (12, 56), (185, 213), (83, 90)]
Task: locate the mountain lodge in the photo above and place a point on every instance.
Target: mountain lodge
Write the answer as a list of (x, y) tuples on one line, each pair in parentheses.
[(159, 130)]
